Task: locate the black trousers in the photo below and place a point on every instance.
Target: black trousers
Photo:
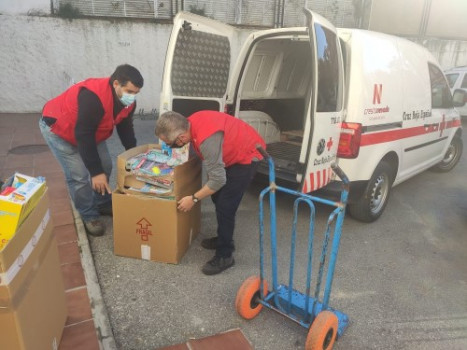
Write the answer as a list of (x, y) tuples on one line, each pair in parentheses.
[(227, 201)]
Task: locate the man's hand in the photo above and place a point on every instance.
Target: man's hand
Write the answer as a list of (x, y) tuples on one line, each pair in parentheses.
[(100, 184), (185, 204)]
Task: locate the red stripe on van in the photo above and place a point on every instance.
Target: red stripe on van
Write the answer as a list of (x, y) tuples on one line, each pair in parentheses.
[(312, 182), (388, 136), (325, 177), (318, 179)]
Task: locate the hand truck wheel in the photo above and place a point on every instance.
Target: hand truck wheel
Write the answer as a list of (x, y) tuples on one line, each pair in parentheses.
[(323, 332), (247, 301)]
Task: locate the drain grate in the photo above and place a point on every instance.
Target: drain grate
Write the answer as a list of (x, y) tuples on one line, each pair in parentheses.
[(29, 149)]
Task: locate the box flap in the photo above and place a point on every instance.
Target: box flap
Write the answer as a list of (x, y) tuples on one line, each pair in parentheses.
[(23, 235)]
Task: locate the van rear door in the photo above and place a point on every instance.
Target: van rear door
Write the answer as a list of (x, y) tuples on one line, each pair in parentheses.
[(197, 66), (325, 112)]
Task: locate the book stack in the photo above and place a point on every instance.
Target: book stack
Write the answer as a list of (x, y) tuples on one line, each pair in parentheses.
[(155, 169)]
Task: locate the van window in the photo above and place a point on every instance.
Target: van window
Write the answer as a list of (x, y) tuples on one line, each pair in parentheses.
[(440, 93), (452, 79), (329, 89)]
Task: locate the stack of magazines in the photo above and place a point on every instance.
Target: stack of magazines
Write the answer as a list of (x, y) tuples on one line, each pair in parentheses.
[(155, 169)]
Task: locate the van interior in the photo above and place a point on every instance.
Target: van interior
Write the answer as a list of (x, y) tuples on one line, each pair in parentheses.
[(272, 98), (271, 95)]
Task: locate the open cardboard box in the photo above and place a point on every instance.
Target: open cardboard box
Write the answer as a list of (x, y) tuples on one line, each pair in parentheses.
[(32, 295), (15, 207), (152, 228)]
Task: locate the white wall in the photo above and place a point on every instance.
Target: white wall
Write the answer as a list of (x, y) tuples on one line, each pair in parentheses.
[(24, 6), (42, 56)]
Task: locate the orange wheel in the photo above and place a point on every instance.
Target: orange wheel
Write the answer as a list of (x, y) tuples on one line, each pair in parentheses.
[(248, 295), (323, 332)]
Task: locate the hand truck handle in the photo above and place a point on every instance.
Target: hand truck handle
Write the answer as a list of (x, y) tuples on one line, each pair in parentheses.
[(339, 172), (263, 152)]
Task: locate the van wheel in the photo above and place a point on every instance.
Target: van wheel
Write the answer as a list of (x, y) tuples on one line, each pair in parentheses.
[(371, 205), (451, 158)]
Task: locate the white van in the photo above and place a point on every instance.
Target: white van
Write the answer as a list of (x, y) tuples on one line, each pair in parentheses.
[(377, 105), (457, 80)]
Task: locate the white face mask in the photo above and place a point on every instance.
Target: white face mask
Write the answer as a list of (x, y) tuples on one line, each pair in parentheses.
[(127, 99)]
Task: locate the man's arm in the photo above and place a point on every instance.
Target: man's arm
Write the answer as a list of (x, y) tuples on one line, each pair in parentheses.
[(90, 114), (211, 150)]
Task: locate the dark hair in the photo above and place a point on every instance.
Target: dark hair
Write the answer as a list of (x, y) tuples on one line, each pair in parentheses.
[(126, 73)]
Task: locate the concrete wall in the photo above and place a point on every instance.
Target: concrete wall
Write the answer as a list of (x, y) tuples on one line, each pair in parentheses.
[(450, 53), (424, 18), (42, 56), (22, 7)]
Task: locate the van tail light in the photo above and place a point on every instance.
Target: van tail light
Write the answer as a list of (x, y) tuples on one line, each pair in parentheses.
[(349, 141)]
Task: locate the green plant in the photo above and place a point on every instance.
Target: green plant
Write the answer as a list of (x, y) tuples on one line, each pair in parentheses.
[(68, 11), (198, 10)]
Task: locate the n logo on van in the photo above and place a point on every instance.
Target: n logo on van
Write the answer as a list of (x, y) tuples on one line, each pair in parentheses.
[(377, 92)]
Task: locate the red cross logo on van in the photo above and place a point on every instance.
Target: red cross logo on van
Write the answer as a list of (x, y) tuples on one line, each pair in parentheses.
[(329, 144), (144, 229), (377, 92)]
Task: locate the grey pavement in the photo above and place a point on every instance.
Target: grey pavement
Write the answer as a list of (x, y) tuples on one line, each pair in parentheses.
[(401, 280)]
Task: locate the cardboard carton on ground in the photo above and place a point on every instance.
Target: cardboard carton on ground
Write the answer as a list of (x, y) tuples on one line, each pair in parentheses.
[(152, 228), (32, 295), (15, 207)]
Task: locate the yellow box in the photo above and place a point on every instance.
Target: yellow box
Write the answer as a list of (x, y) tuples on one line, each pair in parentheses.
[(15, 207)]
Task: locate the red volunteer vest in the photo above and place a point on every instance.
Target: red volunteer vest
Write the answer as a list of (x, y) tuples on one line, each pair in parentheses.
[(240, 139), (64, 108)]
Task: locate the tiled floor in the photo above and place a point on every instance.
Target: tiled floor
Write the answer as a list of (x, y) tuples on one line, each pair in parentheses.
[(22, 130), (230, 340)]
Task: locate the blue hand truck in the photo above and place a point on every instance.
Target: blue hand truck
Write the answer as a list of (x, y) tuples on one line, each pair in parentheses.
[(324, 323)]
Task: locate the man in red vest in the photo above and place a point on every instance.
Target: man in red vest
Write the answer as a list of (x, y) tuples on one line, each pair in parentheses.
[(227, 146), (76, 124)]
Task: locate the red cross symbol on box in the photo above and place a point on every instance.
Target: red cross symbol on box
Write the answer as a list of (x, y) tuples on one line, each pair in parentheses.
[(329, 144)]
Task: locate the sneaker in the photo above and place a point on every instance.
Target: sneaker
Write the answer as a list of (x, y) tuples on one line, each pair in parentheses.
[(209, 243), (94, 228), (217, 265), (106, 210)]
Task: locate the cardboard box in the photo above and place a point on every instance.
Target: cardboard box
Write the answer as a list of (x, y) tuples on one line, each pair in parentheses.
[(15, 207), (32, 296), (152, 228)]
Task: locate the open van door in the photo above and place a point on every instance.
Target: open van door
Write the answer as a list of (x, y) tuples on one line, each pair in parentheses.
[(198, 63), (325, 112)]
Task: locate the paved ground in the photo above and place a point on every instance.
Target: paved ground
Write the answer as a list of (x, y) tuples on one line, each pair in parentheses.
[(402, 280)]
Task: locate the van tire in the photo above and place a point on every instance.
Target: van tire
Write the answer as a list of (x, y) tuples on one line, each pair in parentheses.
[(371, 205), (451, 158)]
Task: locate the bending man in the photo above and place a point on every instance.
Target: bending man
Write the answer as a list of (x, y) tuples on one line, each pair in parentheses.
[(76, 124), (227, 146)]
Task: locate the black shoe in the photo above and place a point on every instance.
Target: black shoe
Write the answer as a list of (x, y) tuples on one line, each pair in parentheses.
[(209, 243), (94, 228), (106, 210), (217, 265)]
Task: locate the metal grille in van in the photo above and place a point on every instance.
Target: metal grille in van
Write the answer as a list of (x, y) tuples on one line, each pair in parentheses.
[(200, 65)]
